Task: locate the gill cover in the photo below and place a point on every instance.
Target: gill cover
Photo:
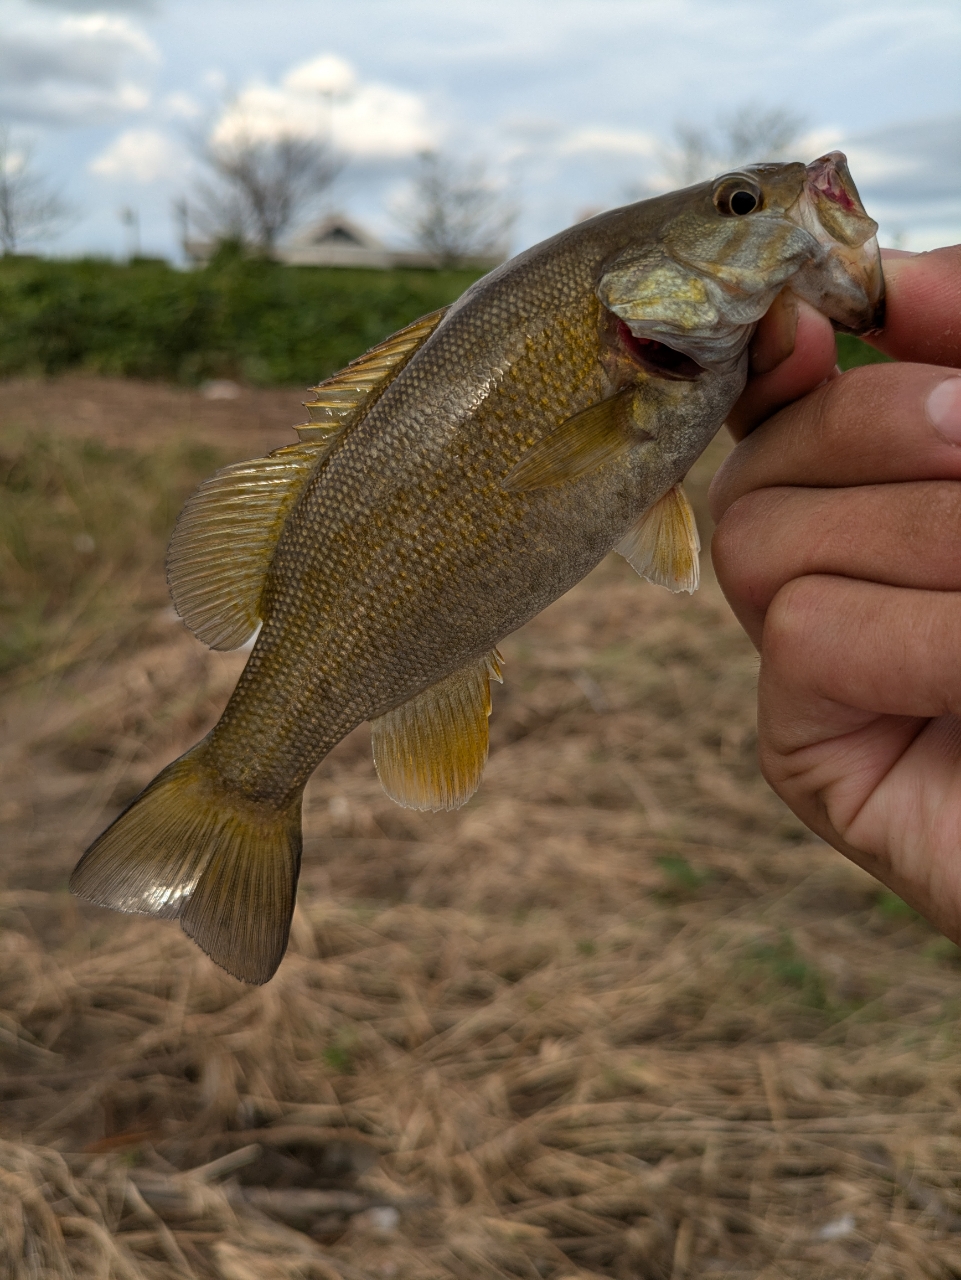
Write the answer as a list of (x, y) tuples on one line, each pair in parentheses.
[(712, 273)]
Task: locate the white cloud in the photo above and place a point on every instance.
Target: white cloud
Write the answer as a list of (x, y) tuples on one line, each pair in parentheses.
[(181, 106), (323, 97), (816, 142), (99, 6), (631, 142), (324, 74), (145, 155), (71, 69), (874, 164), (909, 176)]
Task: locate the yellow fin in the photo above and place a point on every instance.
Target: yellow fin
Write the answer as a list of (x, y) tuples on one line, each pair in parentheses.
[(663, 544), (430, 752), (225, 537), (581, 444), (343, 399), (188, 848)]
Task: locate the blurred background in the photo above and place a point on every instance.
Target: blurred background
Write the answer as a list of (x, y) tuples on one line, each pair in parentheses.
[(620, 1016), (563, 106)]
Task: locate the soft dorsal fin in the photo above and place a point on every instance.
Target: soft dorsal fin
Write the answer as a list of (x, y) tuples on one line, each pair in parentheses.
[(341, 400), (430, 752), (581, 444), (224, 541), (226, 535), (663, 544)]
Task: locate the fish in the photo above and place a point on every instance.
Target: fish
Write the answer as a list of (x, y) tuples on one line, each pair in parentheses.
[(447, 487)]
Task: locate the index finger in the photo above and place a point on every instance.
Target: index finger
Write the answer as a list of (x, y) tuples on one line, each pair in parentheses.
[(877, 424), (922, 324), (922, 320)]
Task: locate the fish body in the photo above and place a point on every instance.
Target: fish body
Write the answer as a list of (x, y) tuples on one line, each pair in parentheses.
[(450, 485)]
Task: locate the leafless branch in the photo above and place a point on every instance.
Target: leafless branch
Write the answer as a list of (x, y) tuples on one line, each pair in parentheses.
[(749, 135), (455, 211), (257, 188), (29, 209)]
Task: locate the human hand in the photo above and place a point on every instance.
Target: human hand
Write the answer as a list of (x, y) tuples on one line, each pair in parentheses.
[(839, 547)]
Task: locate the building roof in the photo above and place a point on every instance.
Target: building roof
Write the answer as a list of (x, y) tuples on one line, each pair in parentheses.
[(339, 241)]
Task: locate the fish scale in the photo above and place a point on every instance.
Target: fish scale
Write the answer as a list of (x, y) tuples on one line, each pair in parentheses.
[(448, 486), (552, 370)]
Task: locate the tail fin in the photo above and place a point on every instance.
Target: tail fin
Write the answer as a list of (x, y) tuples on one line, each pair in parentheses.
[(188, 848)]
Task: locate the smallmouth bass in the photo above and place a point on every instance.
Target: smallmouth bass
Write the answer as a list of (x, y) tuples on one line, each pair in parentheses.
[(449, 485)]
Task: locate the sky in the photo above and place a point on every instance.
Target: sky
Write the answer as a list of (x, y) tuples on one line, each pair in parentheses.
[(572, 104)]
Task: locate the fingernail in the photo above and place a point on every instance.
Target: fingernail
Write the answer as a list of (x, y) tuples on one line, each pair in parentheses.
[(943, 407)]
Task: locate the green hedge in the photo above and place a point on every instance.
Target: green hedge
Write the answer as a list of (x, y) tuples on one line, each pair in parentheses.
[(852, 351), (242, 318)]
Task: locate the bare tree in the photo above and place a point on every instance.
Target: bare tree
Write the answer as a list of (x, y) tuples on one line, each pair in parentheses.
[(29, 209), (749, 135), (455, 211), (259, 187)]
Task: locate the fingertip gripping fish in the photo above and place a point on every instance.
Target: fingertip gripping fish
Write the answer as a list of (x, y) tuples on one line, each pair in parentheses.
[(448, 486)]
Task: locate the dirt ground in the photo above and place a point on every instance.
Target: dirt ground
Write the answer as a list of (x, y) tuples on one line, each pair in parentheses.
[(620, 1016)]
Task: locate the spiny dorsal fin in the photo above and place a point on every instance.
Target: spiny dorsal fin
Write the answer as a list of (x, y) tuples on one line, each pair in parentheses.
[(581, 444), (663, 544), (225, 538), (341, 400), (430, 752)]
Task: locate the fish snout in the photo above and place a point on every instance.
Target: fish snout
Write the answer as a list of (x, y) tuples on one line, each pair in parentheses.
[(847, 284)]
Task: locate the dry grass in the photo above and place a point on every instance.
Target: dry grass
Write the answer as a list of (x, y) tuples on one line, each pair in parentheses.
[(619, 1016), (92, 475)]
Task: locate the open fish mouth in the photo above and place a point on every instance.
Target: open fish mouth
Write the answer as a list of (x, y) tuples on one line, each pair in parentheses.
[(847, 283), (657, 357)]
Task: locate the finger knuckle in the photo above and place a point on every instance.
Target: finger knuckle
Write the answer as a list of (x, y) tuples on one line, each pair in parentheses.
[(730, 545), (791, 615), (743, 530)]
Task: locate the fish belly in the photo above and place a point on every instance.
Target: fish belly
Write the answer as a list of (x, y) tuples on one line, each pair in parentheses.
[(414, 579)]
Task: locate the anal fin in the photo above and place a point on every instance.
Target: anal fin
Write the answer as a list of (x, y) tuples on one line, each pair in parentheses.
[(430, 752), (663, 545)]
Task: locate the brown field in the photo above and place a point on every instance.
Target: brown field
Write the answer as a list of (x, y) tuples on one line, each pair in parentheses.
[(620, 1016)]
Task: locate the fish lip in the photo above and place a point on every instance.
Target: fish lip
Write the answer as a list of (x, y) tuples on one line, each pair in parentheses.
[(828, 177), (847, 282), (873, 325)]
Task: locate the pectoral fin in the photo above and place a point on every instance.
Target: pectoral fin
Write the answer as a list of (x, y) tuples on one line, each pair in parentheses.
[(430, 752), (581, 444), (663, 544)]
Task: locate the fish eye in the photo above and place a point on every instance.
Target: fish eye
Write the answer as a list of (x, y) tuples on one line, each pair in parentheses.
[(743, 202), (737, 197)]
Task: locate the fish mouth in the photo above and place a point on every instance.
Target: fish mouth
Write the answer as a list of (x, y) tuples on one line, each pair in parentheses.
[(657, 357), (846, 283)]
